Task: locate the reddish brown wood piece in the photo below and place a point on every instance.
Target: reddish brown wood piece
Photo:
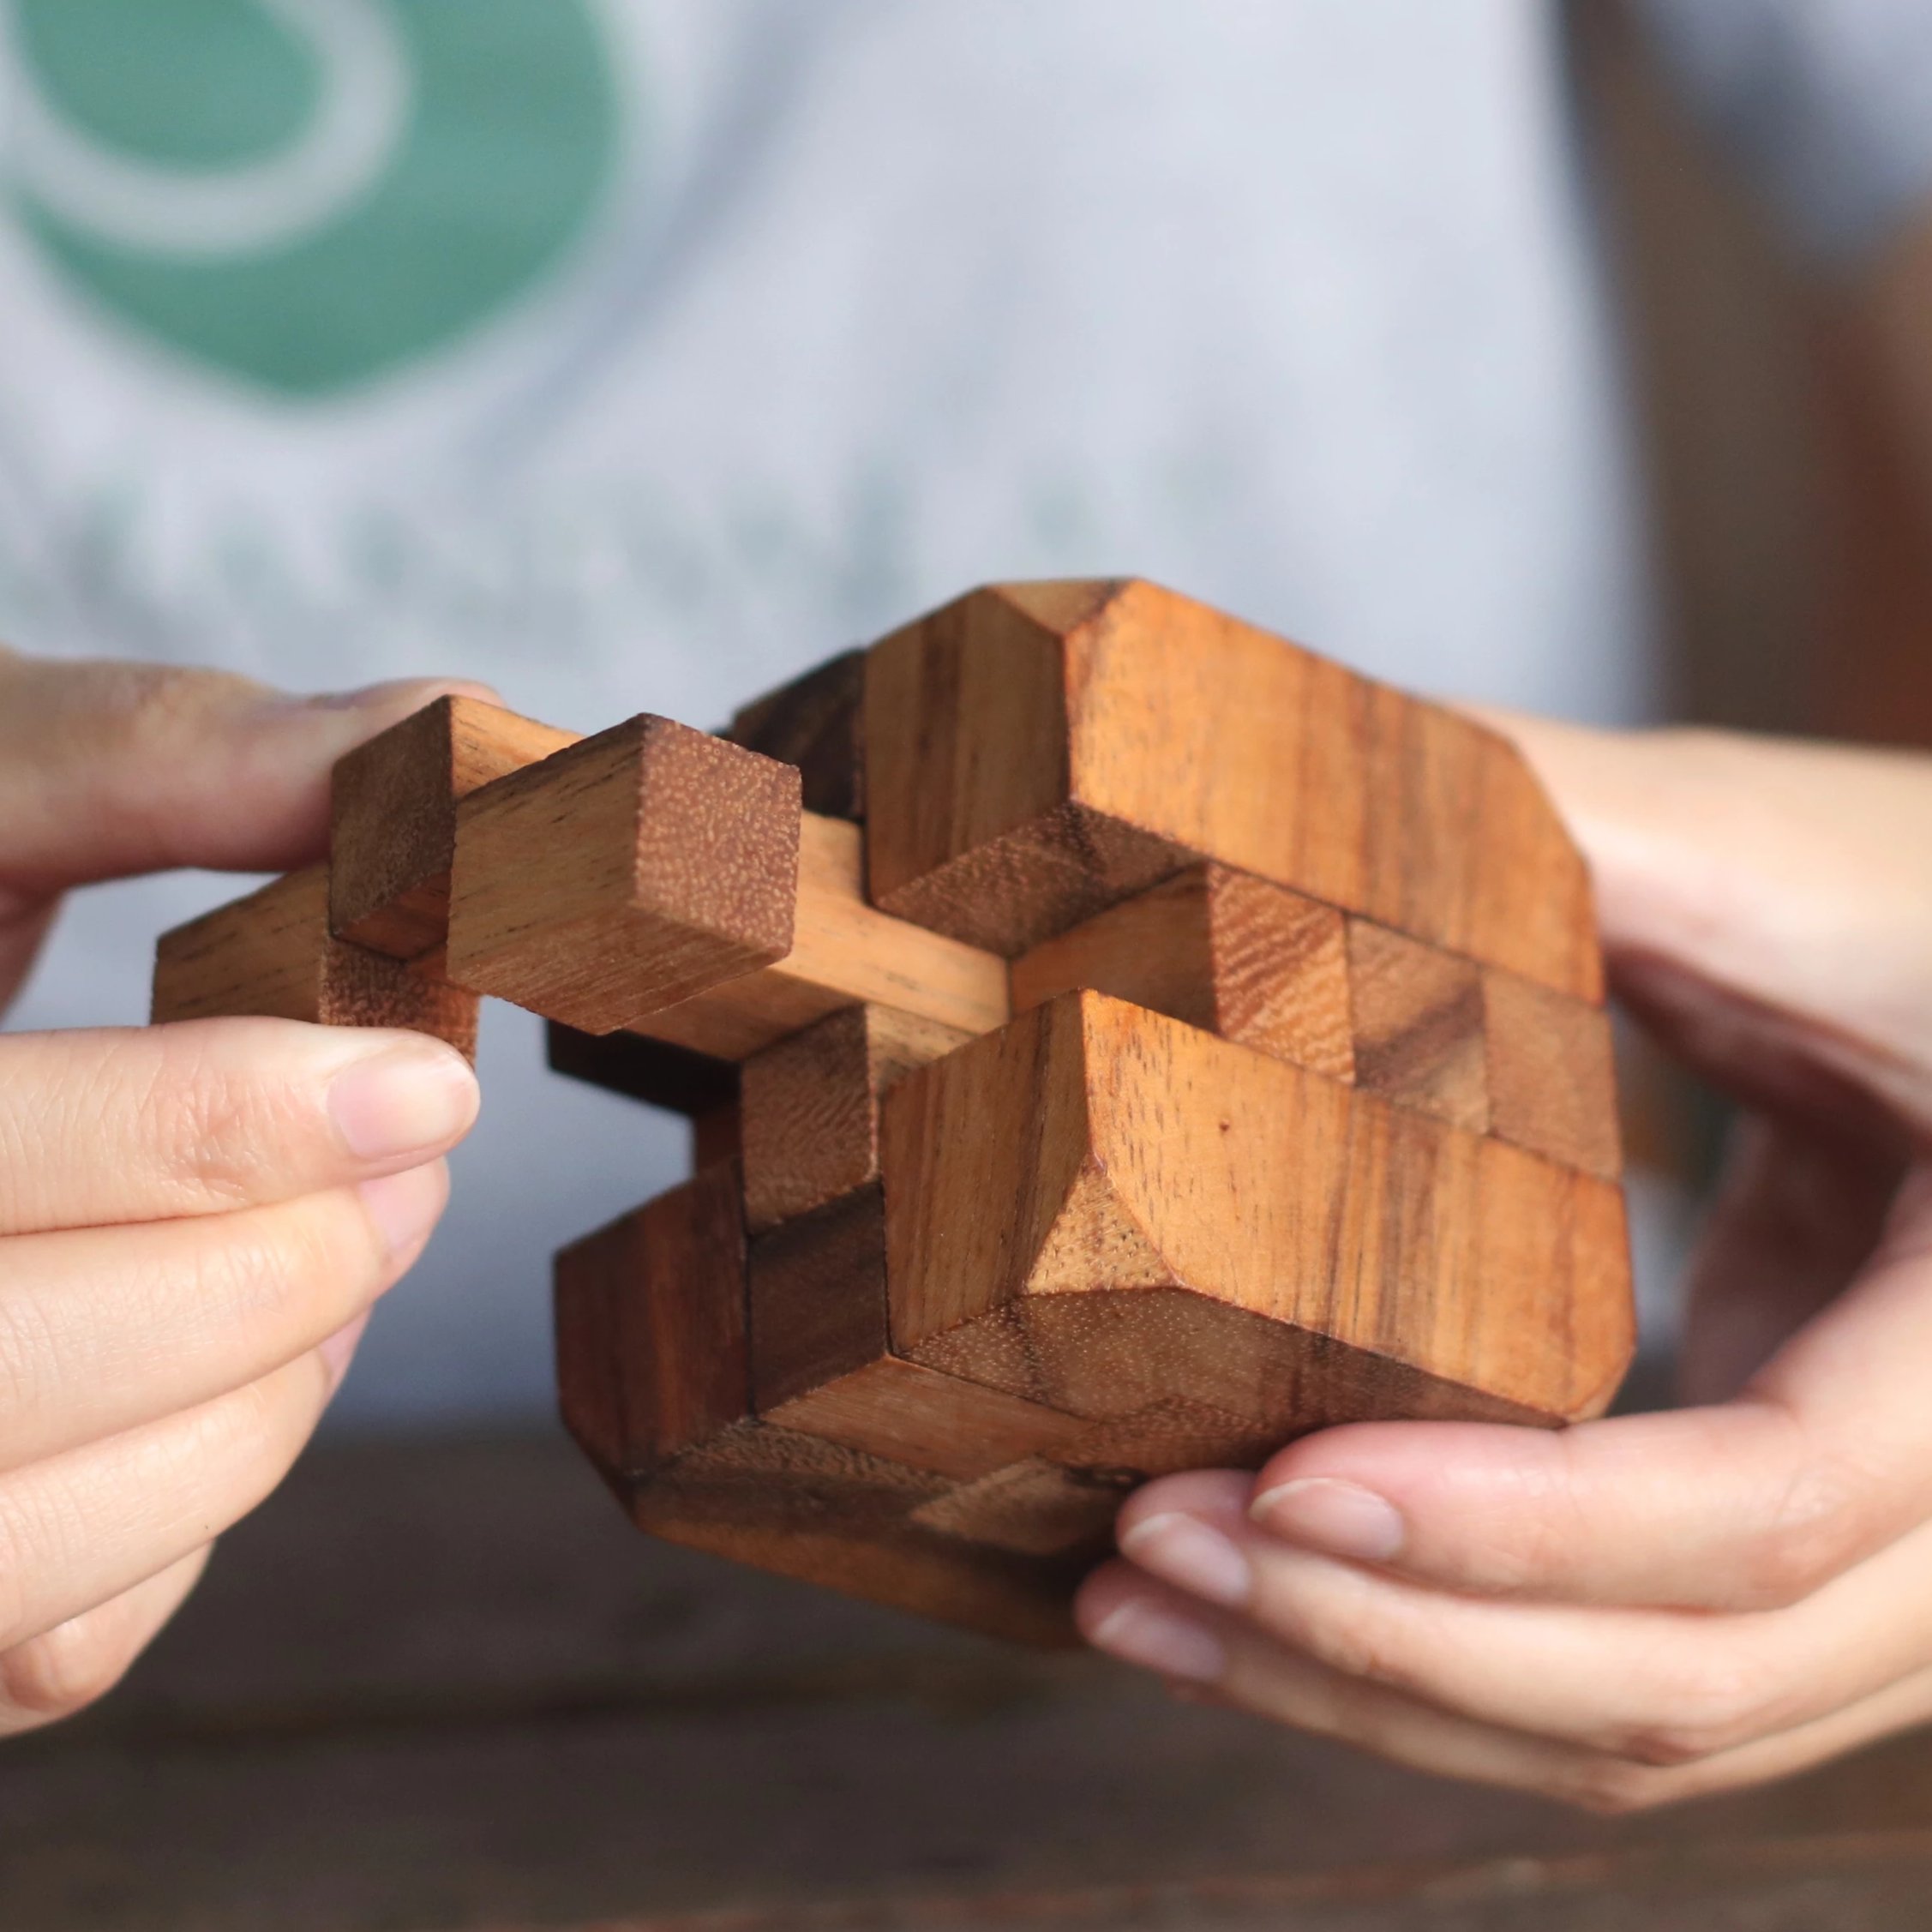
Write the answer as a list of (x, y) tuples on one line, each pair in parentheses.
[(393, 817), (270, 954), (1220, 949)]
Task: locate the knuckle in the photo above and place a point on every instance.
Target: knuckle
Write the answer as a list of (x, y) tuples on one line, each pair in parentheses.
[(65, 1670), (1713, 1708), (1818, 1524), (1611, 1788)]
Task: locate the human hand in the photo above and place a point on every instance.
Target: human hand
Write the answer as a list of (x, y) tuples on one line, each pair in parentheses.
[(1650, 1607), (194, 1218)]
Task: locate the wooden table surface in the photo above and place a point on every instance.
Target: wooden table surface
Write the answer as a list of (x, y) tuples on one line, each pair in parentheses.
[(438, 1685)]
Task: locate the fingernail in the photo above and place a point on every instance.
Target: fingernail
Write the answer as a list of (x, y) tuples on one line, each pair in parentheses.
[(410, 1099), (1158, 1639), (1340, 1518), (339, 1350), (1184, 1550), (404, 1206)]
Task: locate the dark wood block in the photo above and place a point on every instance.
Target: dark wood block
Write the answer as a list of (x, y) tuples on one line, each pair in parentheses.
[(625, 874), (270, 954), (815, 723), (393, 817)]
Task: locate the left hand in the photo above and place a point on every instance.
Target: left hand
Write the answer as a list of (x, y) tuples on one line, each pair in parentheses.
[(1650, 1607)]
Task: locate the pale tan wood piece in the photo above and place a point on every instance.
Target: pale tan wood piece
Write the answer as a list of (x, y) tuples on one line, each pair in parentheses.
[(1218, 949), (624, 874), (1100, 1209), (1419, 1028), (810, 1105), (844, 953), (393, 817), (1552, 1077), (1036, 752), (270, 954)]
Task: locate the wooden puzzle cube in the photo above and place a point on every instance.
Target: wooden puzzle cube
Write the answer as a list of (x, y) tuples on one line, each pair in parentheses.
[(1117, 1041)]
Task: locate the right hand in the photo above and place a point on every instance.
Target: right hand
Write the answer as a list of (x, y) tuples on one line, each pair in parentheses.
[(194, 1219)]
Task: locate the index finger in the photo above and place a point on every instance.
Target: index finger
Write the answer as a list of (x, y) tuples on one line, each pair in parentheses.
[(156, 1123)]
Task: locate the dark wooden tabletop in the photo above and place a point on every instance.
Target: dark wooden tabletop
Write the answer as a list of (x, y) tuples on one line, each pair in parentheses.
[(440, 1686)]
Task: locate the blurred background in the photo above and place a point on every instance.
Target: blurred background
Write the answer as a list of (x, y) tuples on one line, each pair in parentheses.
[(636, 354)]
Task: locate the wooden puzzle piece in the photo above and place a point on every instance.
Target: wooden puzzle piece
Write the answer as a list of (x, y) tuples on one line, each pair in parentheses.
[(1294, 1106), (653, 1361), (1098, 1207), (624, 874), (843, 953), (270, 955), (1037, 753), (815, 722), (1220, 949), (810, 1105), (704, 1090), (1419, 1025), (392, 818)]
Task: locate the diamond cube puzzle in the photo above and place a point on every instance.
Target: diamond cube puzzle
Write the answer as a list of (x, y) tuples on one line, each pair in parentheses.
[(1117, 1041)]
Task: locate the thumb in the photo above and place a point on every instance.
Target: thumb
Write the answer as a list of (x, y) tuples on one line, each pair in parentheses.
[(108, 770)]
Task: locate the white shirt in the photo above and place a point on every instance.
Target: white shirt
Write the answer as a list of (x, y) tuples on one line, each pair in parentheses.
[(635, 355)]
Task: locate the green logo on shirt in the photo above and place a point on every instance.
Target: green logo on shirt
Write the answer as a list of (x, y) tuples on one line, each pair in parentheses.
[(306, 193)]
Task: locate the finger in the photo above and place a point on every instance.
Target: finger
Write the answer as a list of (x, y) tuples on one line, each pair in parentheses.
[(80, 1529), (1767, 902), (1796, 1217), (1824, 1459), (110, 770), (153, 1123), (1654, 1686), (62, 1671), (1216, 1659), (103, 1329)]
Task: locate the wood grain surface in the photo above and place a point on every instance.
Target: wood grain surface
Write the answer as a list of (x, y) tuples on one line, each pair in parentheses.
[(624, 874), (1038, 753), (1552, 1073), (843, 953), (270, 954), (653, 1345), (1418, 1015), (822, 1361), (1098, 1207), (393, 817), (810, 1105), (815, 723), (1235, 954)]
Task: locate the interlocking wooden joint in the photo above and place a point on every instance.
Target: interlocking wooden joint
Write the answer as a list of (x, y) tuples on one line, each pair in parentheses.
[(1117, 1042)]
